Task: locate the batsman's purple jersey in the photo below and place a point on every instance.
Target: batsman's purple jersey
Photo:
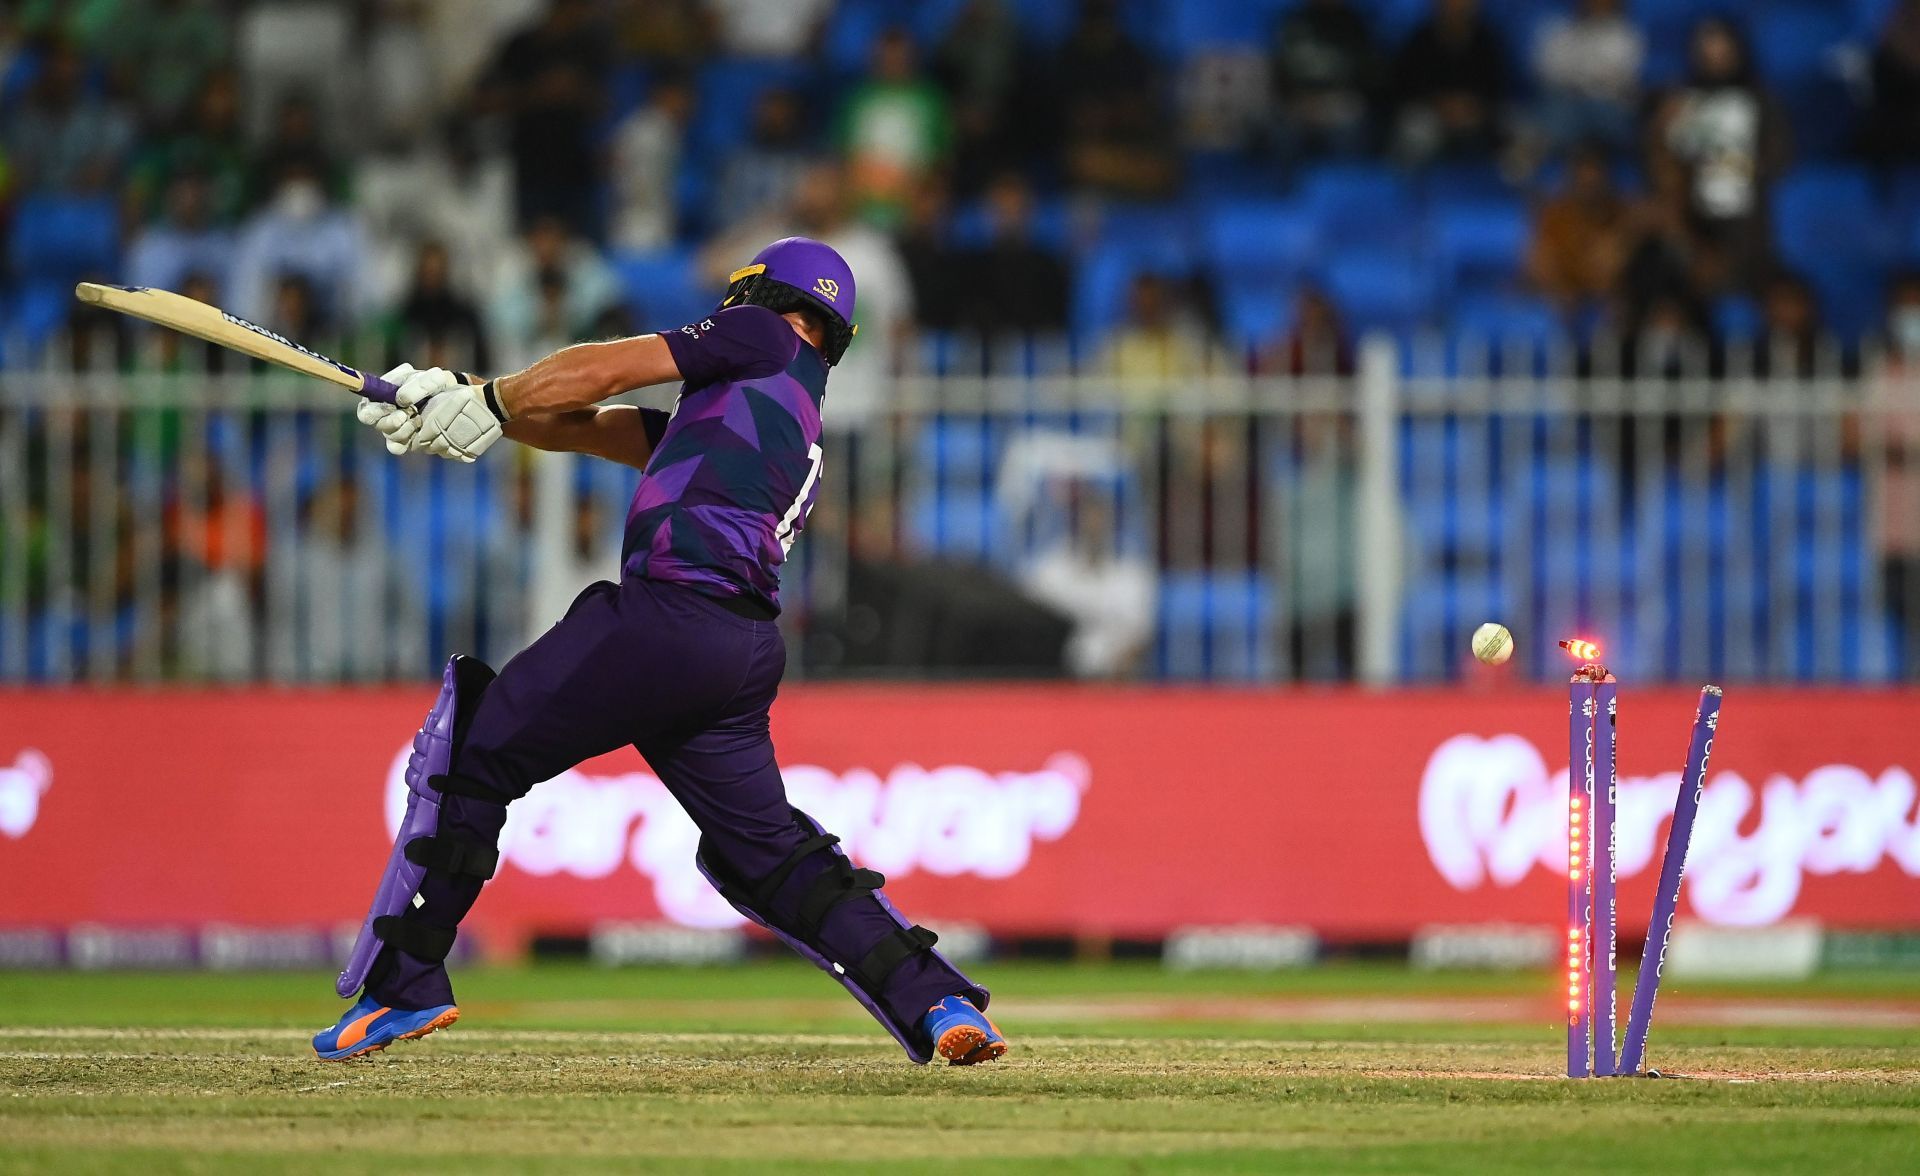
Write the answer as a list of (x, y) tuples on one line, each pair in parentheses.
[(680, 660), (737, 469)]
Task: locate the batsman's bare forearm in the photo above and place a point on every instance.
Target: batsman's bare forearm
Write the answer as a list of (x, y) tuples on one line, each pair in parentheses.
[(585, 374), (616, 432)]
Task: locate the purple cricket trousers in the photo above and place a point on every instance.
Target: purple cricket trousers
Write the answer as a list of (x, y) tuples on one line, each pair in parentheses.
[(688, 683)]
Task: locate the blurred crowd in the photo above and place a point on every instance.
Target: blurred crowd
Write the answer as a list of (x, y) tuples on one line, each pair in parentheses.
[(1151, 188), (479, 180)]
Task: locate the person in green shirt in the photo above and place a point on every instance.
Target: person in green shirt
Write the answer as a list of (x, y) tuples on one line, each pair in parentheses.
[(894, 129)]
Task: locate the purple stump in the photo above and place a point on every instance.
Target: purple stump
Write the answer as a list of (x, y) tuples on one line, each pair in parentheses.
[(1693, 780), (1604, 788), (1580, 710)]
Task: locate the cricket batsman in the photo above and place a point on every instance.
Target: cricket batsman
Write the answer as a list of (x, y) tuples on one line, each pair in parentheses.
[(681, 658)]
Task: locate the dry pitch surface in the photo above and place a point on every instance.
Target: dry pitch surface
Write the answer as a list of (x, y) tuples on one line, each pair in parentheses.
[(766, 1068)]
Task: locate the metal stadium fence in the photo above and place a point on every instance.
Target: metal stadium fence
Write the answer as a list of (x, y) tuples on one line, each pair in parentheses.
[(241, 527)]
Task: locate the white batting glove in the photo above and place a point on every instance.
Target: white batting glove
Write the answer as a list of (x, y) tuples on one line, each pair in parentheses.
[(455, 419), (393, 421)]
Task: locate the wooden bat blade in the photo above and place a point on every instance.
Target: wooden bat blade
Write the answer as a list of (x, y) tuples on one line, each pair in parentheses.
[(190, 317)]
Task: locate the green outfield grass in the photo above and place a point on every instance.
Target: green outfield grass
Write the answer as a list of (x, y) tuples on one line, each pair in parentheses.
[(1120, 1068)]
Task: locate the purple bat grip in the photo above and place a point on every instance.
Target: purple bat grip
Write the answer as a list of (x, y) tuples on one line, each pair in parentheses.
[(375, 388)]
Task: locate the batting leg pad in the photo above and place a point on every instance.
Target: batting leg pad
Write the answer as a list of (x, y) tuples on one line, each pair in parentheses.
[(795, 912), (419, 846)]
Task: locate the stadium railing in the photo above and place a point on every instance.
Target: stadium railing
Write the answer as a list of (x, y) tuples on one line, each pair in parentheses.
[(1226, 528)]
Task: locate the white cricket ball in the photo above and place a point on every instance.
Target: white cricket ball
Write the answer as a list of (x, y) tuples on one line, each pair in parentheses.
[(1492, 643)]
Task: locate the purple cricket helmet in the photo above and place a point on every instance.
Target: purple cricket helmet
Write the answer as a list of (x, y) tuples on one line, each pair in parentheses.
[(799, 273)]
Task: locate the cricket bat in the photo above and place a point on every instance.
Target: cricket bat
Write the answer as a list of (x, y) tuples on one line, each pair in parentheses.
[(216, 326)]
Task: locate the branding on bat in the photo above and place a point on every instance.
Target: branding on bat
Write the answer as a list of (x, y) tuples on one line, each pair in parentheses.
[(257, 329)]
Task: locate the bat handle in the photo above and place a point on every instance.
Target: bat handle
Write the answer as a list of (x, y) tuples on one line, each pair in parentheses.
[(375, 388)]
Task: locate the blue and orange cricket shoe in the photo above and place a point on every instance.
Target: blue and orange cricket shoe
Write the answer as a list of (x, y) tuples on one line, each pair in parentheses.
[(962, 1034), (369, 1027)]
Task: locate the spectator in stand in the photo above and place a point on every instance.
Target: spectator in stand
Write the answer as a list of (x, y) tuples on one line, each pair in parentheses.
[(1013, 284), (885, 314), (339, 572), (1587, 64), (645, 166), (215, 531), (212, 145), (1580, 235), (437, 321), (980, 63), (169, 48), (1892, 132), (297, 314), (1791, 339), (1317, 344), (64, 138), (1668, 341), (1725, 140), (403, 73), (672, 34), (1162, 340), (1108, 593), (184, 241), (762, 173), (547, 82), (1117, 134), (894, 129), (1666, 256), (1895, 406), (448, 189), (296, 138), (554, 287), (1327, 73), (933, 265), (300, 232), (779, 29), (1452, 79)]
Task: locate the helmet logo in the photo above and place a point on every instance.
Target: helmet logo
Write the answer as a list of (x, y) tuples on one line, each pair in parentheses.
[(827, 288)]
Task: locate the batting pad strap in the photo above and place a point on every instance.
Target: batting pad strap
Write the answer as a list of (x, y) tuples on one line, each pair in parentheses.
[(414, 937), (890, 953), (454, 784), (763, 894), (838, 884), (451, 855)]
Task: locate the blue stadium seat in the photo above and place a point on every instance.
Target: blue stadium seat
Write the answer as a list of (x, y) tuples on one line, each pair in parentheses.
[(1171, 221), (972, 225), (1045, 22), (1185, 27), (846, 47), (1870, 18), (1359, 203), (1828, 224), (956, 452), (38, 310), (64, 238), (1736, 318), (1216, 626), (1381, 288), (663, 287), (956, 524), (1480, 245), (1463, 183), (1507, 318), (1280, 238), (1794, 40), (1255, 309), (726, 91)]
